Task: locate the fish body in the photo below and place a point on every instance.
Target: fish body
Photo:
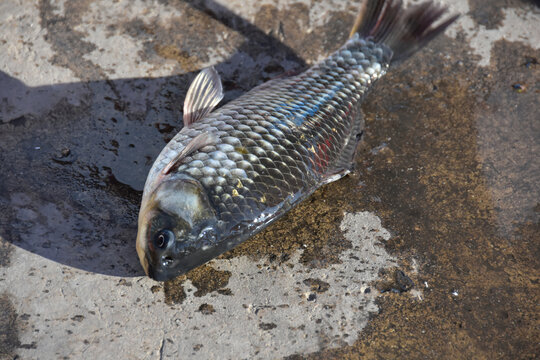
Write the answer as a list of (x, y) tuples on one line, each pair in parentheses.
[(230, 172)]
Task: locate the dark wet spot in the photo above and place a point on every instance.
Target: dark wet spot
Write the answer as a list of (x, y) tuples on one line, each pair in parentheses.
[(186, 60), (20, 121), (174, 291), (225, 291), (6, 249), (32, 345), (124, 282), (78, 318), (178, 39), (403, 282), (289, 26), (489, 16), (207, 279), (394, 280), (456, 192), (311, 297), (9, 330), (317, 285), (165, 128), (67, 43), (267, 326), (312, 227), (206, 309)]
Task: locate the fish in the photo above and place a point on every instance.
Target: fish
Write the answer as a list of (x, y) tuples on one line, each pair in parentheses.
[(233, 170)]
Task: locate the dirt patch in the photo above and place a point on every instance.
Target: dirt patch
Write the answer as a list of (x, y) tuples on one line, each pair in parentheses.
[(479, 288), (293, 27), (174, 291), (186, 61), (205, 278), (207, 309), (491, 16), (6, 249), (9, 336), (317, 285), (189, 39), (68, 43)]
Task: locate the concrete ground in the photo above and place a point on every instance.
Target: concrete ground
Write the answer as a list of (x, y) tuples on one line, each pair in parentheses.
[(430, 250)]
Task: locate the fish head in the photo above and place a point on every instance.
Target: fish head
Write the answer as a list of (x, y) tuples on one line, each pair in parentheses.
[(177, 228)]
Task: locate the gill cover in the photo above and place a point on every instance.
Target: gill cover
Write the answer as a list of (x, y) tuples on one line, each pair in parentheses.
[(175, 222)]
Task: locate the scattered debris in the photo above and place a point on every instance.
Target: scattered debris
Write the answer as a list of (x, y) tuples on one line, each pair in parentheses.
[(529, 62), (317, 285), (267, 326), (403, 281), (206, 309), (397, 283), (519, 88)]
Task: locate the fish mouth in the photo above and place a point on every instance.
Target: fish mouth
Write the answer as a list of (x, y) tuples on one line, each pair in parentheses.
[(160, 274), (182, 263)]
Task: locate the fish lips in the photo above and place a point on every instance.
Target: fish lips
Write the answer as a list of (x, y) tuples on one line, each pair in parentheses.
[(159, 273), (182, 262)]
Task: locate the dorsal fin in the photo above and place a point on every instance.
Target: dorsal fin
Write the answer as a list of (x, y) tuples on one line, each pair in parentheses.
[(204, 93), (199, 141)]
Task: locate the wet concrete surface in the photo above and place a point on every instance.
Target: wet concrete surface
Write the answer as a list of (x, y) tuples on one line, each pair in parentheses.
[(445, 195)]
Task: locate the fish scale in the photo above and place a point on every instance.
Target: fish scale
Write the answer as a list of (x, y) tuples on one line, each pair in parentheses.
[(232, 171), (275, 148)]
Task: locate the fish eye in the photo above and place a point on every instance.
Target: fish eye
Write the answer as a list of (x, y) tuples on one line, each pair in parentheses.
[(163, 237)]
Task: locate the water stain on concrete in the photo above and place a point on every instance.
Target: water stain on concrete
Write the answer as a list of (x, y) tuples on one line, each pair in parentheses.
[(6, 249), (292, 26), (67, 42), (492, 16), (9, 339), (205, 278), (478, 285)]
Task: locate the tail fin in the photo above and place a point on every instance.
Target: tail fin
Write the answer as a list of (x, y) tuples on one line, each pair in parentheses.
[(404, 31)]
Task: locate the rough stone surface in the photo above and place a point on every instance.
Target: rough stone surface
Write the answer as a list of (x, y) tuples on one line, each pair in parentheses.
[(269, 305), (429, 251)]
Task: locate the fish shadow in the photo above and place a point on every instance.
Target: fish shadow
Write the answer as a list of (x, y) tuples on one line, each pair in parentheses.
[(74, 156)]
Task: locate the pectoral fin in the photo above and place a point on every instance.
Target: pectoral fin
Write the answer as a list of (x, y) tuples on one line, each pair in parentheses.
[(199, 141), (203, 95)]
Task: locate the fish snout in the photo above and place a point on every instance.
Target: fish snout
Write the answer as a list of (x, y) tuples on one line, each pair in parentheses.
[(160, 273)]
